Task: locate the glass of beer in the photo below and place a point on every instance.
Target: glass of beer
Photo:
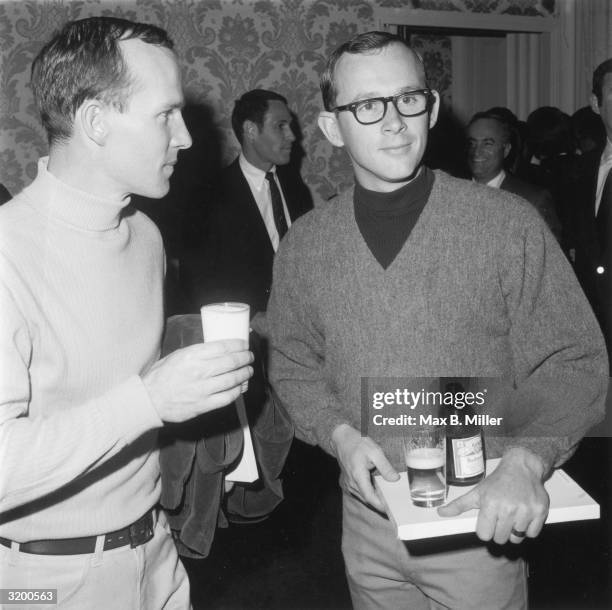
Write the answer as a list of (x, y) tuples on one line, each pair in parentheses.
[(425, 453)]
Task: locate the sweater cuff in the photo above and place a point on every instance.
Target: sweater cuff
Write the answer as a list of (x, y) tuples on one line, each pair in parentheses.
[(131, 410), (551, 452), (324, 433)]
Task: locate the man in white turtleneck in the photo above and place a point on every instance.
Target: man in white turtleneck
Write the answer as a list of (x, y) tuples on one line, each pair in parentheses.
[(82, 392)]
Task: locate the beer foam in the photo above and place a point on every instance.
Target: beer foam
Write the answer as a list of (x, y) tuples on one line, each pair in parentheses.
[(425, 458)]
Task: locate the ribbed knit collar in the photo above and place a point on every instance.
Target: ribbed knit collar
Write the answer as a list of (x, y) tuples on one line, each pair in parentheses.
[(72, 206), (396, 202)]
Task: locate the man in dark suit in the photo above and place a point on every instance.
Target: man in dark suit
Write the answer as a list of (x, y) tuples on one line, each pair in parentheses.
[(256, 200), (593, 201), (489, 145), (246, 214)]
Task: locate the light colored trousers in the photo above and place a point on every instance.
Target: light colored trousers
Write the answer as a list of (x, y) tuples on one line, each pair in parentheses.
[(382, 574), (148, 577)]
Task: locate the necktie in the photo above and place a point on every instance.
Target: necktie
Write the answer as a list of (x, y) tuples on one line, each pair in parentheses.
[(604, 212), (277, 206)]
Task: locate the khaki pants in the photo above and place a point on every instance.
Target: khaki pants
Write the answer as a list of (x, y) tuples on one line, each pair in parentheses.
[(148, 577), (384, 572)]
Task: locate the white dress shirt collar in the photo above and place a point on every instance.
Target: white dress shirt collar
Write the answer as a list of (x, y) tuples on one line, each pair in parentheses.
[(605, 165), (497, 181), (252, 173)]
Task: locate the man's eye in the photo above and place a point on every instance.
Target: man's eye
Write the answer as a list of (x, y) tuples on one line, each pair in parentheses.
[(368, 105), (409, 99)]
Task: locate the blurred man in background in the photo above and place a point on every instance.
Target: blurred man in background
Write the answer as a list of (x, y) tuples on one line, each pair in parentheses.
[(489, 143)]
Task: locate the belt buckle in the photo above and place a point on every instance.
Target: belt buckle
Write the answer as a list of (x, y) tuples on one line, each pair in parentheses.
[(141, 531)]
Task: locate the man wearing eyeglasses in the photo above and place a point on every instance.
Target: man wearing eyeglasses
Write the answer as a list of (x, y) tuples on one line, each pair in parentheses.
[(416, 274)]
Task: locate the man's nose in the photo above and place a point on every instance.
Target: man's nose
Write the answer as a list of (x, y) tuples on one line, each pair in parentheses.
[(180, 136), (474, 149), (393, 121)]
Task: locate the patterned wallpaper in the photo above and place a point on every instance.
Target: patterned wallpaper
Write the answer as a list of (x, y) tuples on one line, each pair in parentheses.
[(225, 47), (535, 8)]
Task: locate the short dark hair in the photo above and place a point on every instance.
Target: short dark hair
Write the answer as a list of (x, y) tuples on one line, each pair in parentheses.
[(598, 78), (252, 106), (505, 114), (549, 132), (586, 125), (83, 61), (360, 44), (500, 119)]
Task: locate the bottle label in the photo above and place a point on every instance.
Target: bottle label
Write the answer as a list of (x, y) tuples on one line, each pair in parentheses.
[(468, 457)]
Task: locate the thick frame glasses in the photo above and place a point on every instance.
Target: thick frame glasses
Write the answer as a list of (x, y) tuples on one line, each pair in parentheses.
[(374, 109)]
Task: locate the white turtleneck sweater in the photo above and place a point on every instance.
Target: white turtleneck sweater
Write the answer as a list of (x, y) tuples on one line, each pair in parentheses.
[(81, 317)]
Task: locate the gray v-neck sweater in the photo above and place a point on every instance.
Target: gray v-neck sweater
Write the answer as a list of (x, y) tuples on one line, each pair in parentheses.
[(480, 288)]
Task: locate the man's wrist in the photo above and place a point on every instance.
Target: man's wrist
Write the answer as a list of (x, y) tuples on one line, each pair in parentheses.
[(338, 435), (521, 456)]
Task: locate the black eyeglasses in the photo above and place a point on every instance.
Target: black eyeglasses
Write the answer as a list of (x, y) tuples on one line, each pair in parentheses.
[(373, 110)]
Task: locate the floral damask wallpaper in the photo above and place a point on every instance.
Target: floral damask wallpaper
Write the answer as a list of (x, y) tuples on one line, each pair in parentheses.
[(225, 47), (502, 7)]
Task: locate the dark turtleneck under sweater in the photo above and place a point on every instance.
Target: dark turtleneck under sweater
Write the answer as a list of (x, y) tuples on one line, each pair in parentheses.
[(385, 220)]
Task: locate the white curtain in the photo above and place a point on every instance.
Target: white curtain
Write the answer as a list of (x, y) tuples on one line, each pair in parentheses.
[(593, 42), (524, 86)]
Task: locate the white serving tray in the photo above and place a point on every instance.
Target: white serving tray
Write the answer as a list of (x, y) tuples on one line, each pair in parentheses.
[(568, 502)]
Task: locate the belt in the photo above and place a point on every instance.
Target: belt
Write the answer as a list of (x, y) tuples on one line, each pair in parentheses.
[(138, 533)]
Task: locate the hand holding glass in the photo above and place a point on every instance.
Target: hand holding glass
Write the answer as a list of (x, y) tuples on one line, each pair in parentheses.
[(425, 453)]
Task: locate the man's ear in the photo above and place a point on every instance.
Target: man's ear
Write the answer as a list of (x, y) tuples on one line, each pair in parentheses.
[(594, 104), (91, 118), (250, 130), (435, 107), (328, 124), (507, 149)]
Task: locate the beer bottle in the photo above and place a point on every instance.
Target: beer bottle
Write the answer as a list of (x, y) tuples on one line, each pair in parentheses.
[(465, 456)]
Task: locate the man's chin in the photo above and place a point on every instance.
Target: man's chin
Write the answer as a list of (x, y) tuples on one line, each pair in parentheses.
[(406, 176), (162, 187), (283, 160), (482, 178), (154, 192)]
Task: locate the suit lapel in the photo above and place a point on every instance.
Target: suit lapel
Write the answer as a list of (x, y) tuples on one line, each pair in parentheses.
[(243, 197), (290, 194)]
